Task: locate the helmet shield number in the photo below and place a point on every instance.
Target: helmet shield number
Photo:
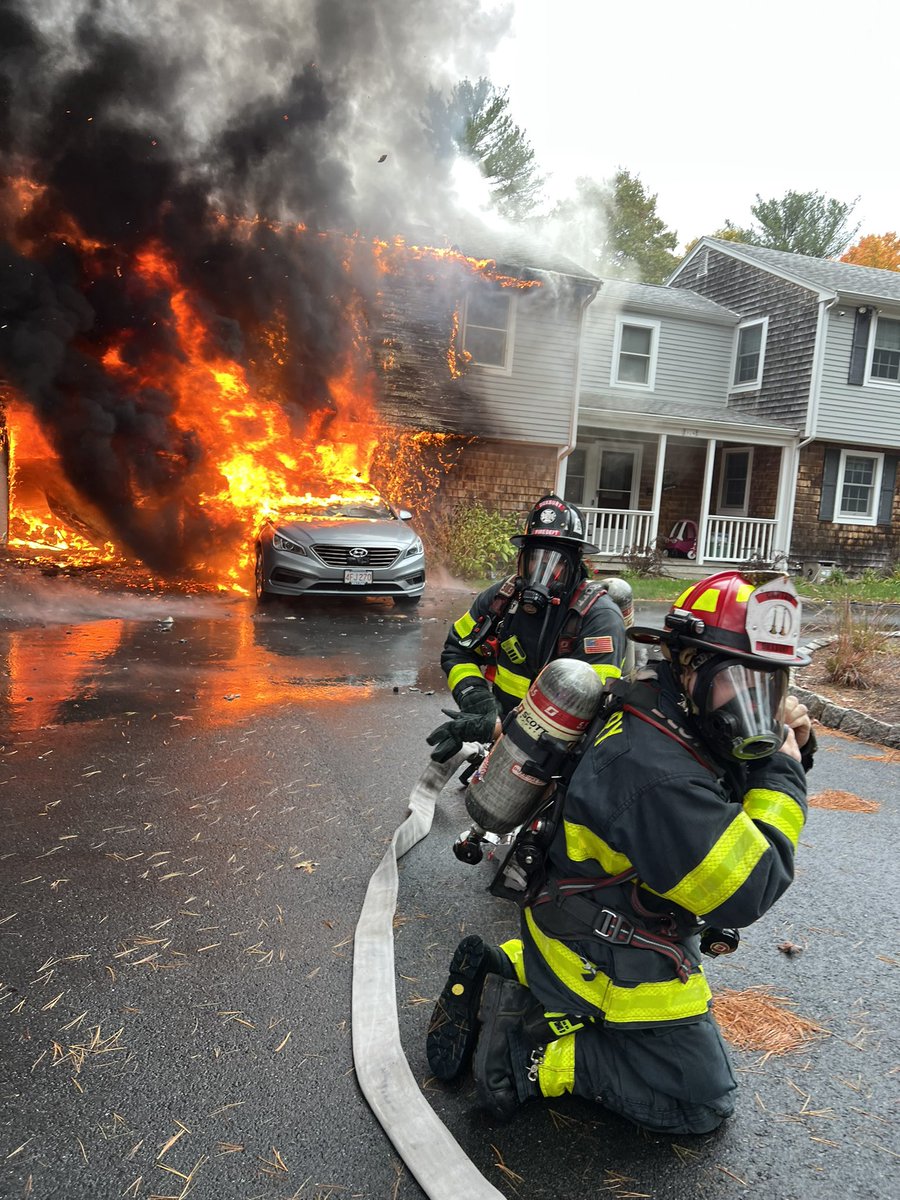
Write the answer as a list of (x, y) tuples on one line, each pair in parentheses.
[(773, 619)]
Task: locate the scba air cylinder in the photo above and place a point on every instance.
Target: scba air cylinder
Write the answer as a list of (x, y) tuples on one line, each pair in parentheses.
[(553, 717)]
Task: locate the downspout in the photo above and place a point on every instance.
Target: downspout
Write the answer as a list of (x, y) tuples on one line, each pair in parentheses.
[(564, 451)]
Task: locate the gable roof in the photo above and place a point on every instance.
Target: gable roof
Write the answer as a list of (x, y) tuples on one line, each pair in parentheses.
[(651, 297), (818, 274)]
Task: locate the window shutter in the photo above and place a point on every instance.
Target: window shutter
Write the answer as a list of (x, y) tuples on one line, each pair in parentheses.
[(886, 499), (829, 483), (860, 346)]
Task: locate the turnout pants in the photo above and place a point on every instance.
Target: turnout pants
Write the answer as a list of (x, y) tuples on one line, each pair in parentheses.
[(672, 1079)]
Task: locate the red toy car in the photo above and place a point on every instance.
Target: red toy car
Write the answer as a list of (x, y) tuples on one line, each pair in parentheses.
[(682, 541)]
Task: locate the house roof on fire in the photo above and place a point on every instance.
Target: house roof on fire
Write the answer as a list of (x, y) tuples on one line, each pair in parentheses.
[(820, 274), (511, 249)]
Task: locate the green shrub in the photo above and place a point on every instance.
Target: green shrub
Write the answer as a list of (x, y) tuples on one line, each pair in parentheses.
[(473, 541)]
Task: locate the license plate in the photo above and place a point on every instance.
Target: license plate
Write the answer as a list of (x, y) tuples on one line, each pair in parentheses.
[(358, 578)]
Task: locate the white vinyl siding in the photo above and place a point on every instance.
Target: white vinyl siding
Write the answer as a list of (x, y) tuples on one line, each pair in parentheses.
[(858, 488), (849, 415), (693, 357)]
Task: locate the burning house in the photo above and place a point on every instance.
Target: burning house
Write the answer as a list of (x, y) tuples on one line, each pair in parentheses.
[(209, 309)]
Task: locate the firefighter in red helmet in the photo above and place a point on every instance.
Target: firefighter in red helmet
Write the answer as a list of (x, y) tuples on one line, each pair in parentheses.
[(682, 815), (548, 609)]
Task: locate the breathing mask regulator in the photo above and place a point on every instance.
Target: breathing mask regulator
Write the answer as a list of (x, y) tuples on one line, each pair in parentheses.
[(744, 633)]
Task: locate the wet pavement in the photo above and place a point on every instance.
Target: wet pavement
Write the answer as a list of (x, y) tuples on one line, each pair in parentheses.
[(193, 797)]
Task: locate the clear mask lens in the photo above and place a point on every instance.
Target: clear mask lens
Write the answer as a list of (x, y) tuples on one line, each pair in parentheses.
[(545, 568), (742, 708)]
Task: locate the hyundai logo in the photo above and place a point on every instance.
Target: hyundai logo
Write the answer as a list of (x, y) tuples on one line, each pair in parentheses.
[(359, 552)]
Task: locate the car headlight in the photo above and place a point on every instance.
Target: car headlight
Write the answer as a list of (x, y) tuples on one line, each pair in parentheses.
[(282, 543), (416, 548)]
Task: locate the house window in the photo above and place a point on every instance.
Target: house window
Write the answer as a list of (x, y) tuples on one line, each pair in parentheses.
[(886, 350), (634, 353), (488, 329), (858, 486), (750, 353), (734, 481), (576, 467)]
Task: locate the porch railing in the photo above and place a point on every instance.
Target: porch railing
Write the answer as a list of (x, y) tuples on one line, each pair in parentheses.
[(735, 539), (728, 539), (616, 530)]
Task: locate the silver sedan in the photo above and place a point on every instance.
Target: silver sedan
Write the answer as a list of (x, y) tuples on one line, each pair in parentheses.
[(342, 548)]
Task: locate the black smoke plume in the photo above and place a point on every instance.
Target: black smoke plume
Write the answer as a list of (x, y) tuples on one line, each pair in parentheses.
[(213, 130)]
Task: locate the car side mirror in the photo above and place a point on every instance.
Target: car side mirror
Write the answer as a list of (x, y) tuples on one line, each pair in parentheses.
[(404, 515)]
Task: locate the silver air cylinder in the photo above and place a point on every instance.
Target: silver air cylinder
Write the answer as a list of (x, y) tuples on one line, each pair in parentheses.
[(551, 720), (621, 594)]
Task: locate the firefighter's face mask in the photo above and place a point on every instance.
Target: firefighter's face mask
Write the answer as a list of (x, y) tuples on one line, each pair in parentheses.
[(545, 573), (739, 706)]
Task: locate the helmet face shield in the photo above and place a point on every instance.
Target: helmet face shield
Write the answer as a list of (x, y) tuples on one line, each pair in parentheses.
[(741, 707)]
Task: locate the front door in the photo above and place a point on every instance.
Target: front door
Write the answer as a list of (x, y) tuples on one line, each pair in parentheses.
[(618, 477)]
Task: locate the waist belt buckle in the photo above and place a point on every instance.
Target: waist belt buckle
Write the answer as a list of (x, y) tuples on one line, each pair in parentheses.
[(613, 927)]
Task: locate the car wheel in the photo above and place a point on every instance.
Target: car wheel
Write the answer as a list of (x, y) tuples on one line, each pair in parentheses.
[(262, 596), (407, 601)]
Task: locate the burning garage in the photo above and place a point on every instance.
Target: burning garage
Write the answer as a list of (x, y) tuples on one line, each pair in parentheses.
[(219, 301)]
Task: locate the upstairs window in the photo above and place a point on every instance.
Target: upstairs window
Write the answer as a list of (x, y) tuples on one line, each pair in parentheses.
[(885, 362), (488, 329), (858, 486), (750, 353), (634, 354)]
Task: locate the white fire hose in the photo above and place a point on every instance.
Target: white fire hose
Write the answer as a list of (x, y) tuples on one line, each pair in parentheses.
[(433, 1156)]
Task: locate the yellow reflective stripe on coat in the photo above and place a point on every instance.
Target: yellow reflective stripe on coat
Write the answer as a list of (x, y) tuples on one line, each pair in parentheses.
[(606, 671), (723, 871), (462, 671), (583, 844), (670, 1000), (513, 685), (464, 625), (776, 809)]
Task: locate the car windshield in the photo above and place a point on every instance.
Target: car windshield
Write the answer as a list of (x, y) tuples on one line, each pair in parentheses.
[(362, 509)]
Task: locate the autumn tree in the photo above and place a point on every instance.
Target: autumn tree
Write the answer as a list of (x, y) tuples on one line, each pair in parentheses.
[(613, 228), (800, 222), (875, 250), (475, 120)]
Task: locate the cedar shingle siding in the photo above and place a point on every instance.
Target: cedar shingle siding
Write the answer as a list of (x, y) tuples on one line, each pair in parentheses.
[(792, 313)]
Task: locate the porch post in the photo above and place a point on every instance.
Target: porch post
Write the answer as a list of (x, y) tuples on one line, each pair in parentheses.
[(661, 443), (704, 503), (785, 501)]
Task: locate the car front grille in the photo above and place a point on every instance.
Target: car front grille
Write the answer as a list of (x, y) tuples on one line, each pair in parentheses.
[(339, 556)]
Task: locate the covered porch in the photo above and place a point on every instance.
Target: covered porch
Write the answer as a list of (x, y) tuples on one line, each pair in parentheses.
[(706, 496)]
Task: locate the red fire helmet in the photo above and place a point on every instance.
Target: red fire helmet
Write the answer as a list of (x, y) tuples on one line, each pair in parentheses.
[(727, 614)]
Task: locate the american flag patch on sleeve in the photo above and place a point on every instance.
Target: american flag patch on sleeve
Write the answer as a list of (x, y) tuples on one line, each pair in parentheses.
[(598, 645)]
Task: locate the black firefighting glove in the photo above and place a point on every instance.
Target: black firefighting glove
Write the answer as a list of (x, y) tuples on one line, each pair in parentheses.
[(475, 697), (462, 727)]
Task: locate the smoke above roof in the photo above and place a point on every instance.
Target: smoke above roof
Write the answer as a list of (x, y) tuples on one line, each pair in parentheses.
[(206, 129)]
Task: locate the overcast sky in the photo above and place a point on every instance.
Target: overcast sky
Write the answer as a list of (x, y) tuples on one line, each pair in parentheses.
[(710, 103)]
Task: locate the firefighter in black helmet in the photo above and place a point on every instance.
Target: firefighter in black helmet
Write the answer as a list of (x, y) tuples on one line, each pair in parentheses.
[(683, 815), (547, 610)]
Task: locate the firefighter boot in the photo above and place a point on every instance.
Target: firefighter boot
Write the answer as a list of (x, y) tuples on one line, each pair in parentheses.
[(454, 1022), (514, 1032)]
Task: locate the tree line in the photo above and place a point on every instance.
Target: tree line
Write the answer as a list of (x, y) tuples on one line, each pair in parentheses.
[(617, 230)]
